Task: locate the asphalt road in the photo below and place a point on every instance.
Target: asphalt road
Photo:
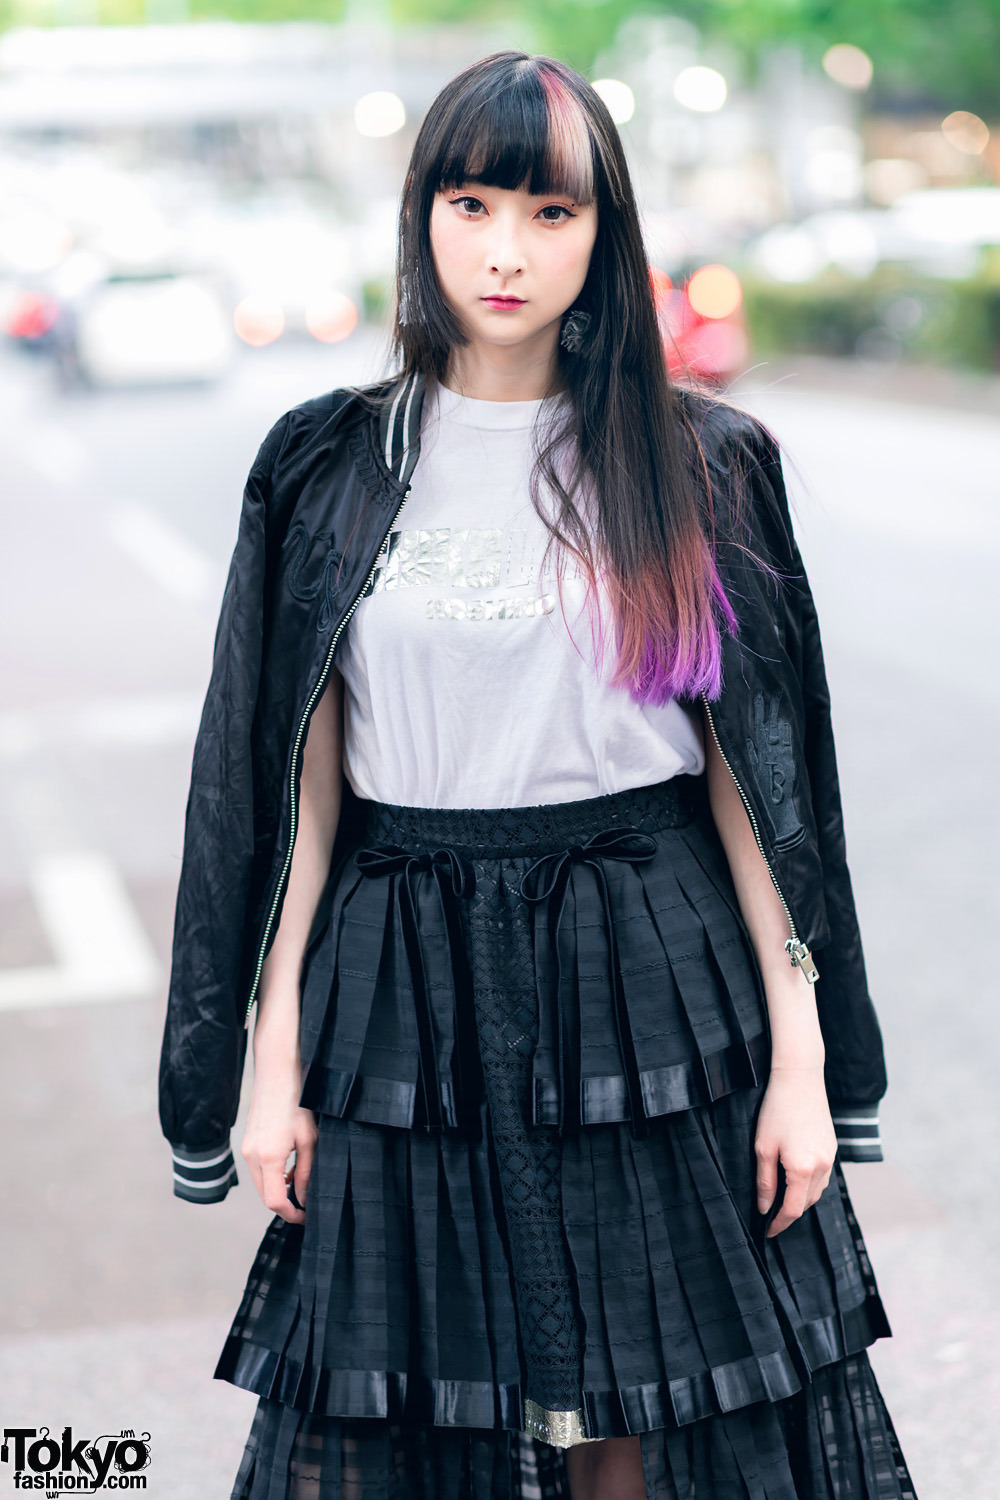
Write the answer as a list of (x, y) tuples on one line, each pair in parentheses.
[(119, 515)]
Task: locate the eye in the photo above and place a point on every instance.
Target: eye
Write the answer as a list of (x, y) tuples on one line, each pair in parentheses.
[(555, 208), (464, 202)]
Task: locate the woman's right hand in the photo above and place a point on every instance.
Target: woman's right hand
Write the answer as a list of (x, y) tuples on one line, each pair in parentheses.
[(277, 1126)]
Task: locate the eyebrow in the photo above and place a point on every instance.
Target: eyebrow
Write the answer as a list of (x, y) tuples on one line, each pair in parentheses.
[(484, 187)]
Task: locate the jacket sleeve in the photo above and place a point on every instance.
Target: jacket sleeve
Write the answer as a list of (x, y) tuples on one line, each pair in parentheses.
[(855, 1063), (204, 1039)]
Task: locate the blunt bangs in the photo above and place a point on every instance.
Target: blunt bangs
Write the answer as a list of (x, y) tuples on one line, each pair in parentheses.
[(527, 130)]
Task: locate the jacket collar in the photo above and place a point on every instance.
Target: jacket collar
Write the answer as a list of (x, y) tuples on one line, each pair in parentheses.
[(397, 440)]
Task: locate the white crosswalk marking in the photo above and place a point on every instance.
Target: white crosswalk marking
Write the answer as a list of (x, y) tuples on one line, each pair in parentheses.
[(136, 721), (167, 556), (101, 949)]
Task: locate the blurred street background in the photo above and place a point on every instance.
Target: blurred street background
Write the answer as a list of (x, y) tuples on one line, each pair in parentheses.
[(197, 216)]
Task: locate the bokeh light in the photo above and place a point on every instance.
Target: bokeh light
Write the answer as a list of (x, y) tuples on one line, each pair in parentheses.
[(701, 89), (714, 349), (966, 132), (259, 320), (887, 178), (332, 318), (848, 66), (715, 292), (835, 175), (789, 253), (618, 97), (379, 113), (30, 315)]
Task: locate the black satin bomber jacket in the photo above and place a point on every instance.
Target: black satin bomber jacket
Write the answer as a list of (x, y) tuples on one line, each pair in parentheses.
[(321, 497)]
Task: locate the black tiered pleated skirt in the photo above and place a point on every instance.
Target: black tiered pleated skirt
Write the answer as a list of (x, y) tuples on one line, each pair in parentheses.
[(536, 1043)]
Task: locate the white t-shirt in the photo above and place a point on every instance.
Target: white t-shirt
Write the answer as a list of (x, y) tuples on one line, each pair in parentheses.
[(464, 684)]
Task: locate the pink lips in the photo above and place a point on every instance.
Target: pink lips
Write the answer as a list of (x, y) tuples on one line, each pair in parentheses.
[(503, 303)]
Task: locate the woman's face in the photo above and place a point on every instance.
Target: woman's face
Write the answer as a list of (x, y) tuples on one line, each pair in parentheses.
[(509, 262)]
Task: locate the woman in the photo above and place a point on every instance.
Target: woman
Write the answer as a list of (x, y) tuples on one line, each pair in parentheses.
[(523, 867)]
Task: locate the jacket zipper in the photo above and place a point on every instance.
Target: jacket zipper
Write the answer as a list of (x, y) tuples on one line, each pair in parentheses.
[(798, 954), (295, 756)]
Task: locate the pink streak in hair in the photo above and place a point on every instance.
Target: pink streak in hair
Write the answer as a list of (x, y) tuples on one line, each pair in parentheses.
[(568, 148), (680, 652)]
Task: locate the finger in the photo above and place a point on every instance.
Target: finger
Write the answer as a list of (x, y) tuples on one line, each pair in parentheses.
[(276, 1194), (292, 1207), (792, 1205), (290, 1192), (303, 1168), (767, 1176)]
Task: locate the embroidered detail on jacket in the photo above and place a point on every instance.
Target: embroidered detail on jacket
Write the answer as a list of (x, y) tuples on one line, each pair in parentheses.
[(383, 488), (299, 542), (773, 762)]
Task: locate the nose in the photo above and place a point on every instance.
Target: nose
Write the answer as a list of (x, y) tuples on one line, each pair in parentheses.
[(506, 265), (506, 251)]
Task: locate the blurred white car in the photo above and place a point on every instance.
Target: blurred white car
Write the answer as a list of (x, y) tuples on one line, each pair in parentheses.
[(939, 232), (146, 327)]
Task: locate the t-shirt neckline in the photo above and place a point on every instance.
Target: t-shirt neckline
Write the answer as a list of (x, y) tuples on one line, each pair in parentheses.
[(509, 416)]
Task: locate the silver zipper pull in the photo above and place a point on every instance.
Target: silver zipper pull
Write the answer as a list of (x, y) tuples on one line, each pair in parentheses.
[(800, 957)]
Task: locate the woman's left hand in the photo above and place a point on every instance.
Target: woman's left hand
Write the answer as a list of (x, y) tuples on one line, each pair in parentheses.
[(794, 1125)]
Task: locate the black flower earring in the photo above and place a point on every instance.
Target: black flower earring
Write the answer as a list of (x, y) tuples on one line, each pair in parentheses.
[(574, 330)]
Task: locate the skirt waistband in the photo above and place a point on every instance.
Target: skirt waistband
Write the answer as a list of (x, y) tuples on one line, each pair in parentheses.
[(521, 832), (604, 933)]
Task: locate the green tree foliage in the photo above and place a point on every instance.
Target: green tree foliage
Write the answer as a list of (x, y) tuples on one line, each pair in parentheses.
[(268, 10), (939, 52)]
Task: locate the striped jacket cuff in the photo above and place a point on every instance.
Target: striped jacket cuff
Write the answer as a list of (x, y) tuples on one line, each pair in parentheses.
[(858, 1136), (204, 1176)]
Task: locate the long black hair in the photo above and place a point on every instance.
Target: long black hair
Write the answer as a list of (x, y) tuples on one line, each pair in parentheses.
[(511, 121)]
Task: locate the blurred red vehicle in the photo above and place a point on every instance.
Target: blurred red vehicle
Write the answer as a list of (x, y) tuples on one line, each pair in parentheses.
[(702, 324), (30, 315)]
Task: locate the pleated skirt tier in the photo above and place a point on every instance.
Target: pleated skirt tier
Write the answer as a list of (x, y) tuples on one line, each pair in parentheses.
[(536, 1043)]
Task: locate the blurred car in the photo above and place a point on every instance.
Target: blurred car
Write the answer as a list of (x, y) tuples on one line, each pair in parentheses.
[(939, 232), (122, 326), (145, 327), (702, 324)]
